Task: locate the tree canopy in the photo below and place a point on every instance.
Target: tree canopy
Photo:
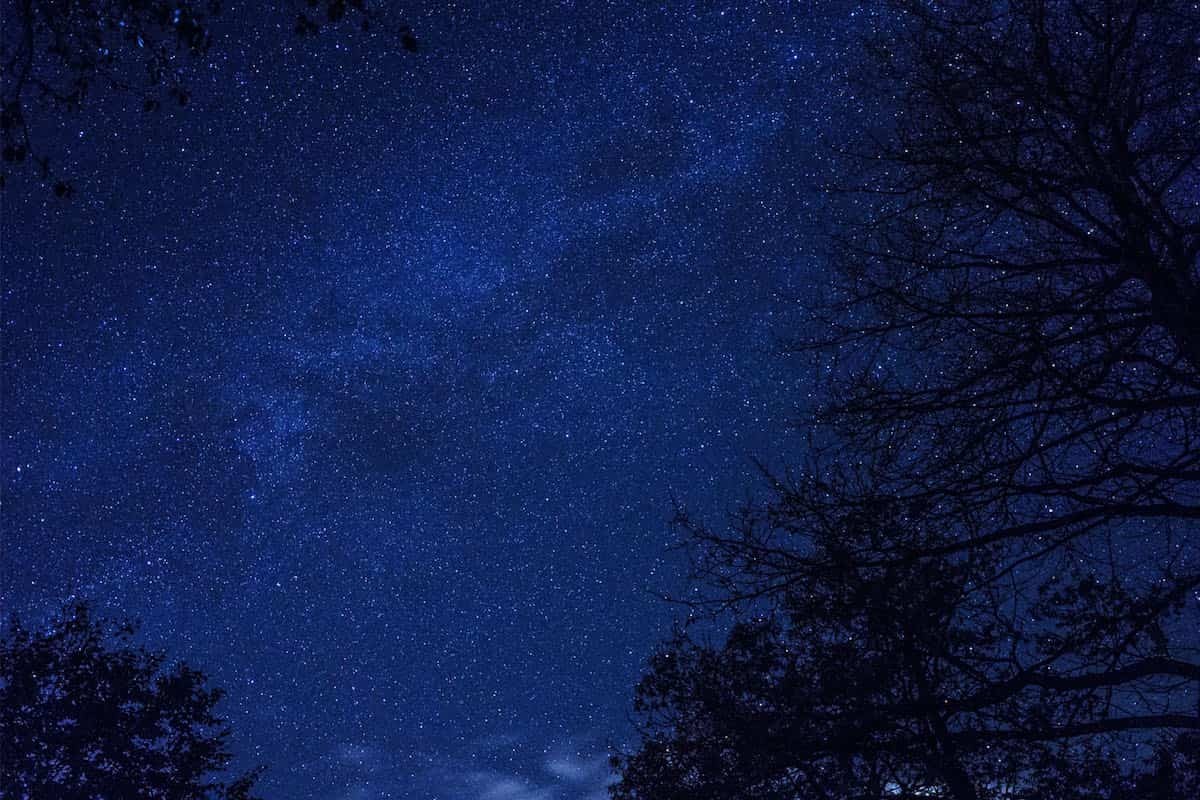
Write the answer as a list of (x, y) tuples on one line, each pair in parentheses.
[(86, 713)]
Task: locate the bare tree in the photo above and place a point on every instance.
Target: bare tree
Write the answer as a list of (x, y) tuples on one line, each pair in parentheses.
[(1021, 291), (987, 568)]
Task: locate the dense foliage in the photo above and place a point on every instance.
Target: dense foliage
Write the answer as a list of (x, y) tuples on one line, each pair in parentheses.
[(85, 714)]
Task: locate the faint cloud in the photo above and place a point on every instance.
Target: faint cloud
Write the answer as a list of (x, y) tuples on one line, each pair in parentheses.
[(362, 757), (496, 786), (371, 772), (574, 768), (567, 771)]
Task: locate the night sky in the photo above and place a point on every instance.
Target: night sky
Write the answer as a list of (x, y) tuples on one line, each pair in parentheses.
[(367, 380)]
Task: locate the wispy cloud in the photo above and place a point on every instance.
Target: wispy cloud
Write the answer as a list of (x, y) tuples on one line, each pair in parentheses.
[(574, 768), (566, 771), (498, 786), (499, 766)]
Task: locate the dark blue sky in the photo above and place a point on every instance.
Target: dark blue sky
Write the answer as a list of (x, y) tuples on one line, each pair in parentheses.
[(367, 380)]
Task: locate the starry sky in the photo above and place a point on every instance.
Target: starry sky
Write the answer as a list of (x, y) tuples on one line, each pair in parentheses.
[(368, 380)]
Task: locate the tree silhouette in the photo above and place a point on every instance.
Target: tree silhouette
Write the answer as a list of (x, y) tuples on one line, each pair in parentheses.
[(85, 713), (872, 677), (1013, 417), (55, 53), (1021, 289)]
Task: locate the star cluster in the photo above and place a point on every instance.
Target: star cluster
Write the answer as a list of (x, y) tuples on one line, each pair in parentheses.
[(368, 379)]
